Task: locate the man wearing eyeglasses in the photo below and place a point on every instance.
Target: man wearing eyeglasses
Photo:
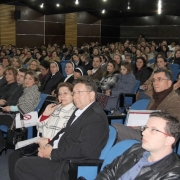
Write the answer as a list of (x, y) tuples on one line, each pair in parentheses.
[(154, 158), (84, 137), (164, 98)]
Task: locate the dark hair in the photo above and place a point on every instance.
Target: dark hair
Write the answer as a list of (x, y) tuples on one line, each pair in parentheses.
[(167, 73), (116, 67), (45, 64), (165, 60), (172, 125), (98, 58), (23, 70), (144, 62), (88, 81), (127, 66)]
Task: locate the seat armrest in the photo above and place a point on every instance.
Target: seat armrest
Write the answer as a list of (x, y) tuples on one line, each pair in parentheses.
[(122, 97), (74, 164)]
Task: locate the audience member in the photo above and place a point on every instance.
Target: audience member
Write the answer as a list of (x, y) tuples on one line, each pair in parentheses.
[(154, 158), (16, 62), (125, 84), (110, 78), (164, 98), (84, 137), (54, 118), (54, 79), (141, 71), (96, 73)]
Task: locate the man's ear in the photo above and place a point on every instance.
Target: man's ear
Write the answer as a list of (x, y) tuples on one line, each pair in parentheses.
[(169, 83), (170, 140)]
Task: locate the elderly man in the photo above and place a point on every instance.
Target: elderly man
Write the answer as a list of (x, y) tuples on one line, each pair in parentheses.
[(164, 99), (84, 137), (154, 158)]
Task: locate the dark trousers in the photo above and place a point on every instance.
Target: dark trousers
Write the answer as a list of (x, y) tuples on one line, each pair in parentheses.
[(33, 168), (125, 132), (5, 119)]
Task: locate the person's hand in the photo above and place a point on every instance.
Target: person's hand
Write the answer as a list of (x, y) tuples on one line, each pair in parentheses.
[(108, 92), (53, 93), (50, 109), (89, 72), (176, 86), (42, 141), (2, 102), (6, 108), (45, 151), (40, 151), (144, 87)]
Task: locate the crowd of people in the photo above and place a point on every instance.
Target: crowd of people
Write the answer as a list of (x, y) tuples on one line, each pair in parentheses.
[(76, 127)]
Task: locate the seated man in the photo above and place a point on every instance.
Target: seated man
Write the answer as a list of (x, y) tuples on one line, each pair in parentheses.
[(96, 72), (154, 158), (84, 137), (164, 98)]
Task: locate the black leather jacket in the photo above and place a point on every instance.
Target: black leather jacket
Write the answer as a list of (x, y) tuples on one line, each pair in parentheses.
[(166, 169)]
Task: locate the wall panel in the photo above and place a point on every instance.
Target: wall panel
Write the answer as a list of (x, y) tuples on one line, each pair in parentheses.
[(7, 25), (71, 29)]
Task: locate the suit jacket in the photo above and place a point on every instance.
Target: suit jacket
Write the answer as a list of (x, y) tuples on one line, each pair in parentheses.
[(84, 139), (170, 104), (98, 74)]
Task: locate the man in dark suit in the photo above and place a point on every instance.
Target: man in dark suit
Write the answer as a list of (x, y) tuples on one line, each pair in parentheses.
[(84, 137)]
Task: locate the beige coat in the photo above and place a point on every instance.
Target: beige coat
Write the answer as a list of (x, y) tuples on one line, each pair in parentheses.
[(171, 104)]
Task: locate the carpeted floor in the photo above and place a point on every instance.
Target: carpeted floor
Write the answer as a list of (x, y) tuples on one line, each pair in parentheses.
[(4, 175)]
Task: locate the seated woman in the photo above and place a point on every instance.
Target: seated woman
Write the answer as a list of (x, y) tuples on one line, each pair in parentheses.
[(78, 72), (16, 62), (125, 84), (110, 78), (54, 57), (118, 59), (33, 65), (54, 78), (145, 91), (26, 103), (141, 71), (10, 74), (53, 119), (45, 55)]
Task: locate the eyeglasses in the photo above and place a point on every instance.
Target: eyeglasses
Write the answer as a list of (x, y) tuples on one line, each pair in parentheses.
[(153, 130), (158, 79), (63, 94), (79, 92)]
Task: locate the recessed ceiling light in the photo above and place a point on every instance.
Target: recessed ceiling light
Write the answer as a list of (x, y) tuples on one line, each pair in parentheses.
[(42, 5), (57, 5), (104, 0), (103, 11), (76, 2)]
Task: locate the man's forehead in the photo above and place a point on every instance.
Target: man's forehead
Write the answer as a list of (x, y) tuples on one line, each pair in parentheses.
[(156, 122), (160, 74)]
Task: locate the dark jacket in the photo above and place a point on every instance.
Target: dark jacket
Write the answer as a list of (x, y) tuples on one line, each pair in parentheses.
[(98, 74), (14, 96), (43, 80), (7, 89), (83, 139), (3, 82), (166, 168), (52, 83), (143, 74)]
